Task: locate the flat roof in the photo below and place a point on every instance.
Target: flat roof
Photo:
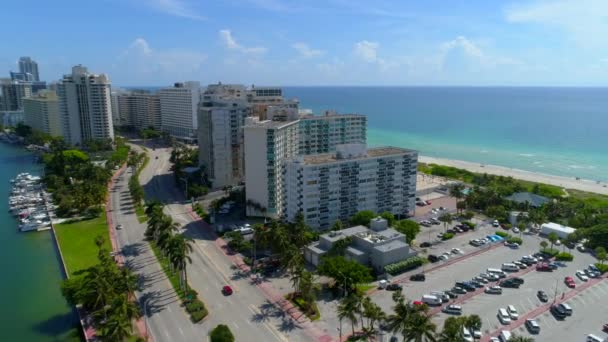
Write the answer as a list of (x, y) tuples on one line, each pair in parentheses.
[(270, 124), (395, 244), (330, 116), (341, 234), (374, 152)]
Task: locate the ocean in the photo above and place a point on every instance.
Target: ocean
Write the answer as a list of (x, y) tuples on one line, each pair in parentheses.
[(558, 131), (32, 308)]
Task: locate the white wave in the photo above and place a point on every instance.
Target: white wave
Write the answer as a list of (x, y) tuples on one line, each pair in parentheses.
[(529, 155), (484, 151), (579, 167)]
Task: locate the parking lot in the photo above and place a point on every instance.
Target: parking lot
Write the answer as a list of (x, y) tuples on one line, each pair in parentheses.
[(524, 299)]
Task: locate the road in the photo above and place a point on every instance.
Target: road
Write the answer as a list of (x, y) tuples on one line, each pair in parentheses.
[(249, 314)]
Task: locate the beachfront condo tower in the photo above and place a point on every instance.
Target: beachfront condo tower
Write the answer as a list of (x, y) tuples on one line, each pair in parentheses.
[(178, 108)]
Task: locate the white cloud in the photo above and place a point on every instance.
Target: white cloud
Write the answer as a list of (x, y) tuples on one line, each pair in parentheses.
[(367, 51), (140, 58), (585, 21), (305, 51), (178, 8), (230, 42), (475, 55)]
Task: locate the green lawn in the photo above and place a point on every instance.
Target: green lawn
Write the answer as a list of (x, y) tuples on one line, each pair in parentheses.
[(77, 242)]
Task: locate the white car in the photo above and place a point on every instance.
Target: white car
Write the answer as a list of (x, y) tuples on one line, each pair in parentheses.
[(581, 275), (444, 257), (494, 339), (477, 334), (515, 230), (456, 251), (503, 316), (496, 223), (512, 312), (466, 334)]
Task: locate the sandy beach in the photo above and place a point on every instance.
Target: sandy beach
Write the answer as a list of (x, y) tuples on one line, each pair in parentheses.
[(565, 182)]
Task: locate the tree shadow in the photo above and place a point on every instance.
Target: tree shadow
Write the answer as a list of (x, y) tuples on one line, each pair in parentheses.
[(57, 324)]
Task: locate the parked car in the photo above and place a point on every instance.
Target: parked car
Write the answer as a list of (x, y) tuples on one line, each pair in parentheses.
[(542, 296), (418, 277), (558, 312), (433, 258), (480, 280), (118, 226), (393, 287), (570, 282), (581, 275), (425, 245), (493, 290), (513, 313), (515, 230), (444, 256), (441, 295), (475, 242), (532, 326), (566, 308), (453, 309), (475, 283), (503, 316), (543, 268), (509, 283), (451, 294), (495, 224), (434, 221), (459, 290)]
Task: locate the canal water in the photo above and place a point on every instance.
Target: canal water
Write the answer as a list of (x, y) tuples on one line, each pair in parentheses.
[(31, 306)]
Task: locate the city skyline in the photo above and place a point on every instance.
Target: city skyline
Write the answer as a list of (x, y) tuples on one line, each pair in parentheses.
[(282, 42)]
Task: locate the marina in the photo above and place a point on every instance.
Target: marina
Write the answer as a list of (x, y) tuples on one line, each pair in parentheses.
[(30, 203)]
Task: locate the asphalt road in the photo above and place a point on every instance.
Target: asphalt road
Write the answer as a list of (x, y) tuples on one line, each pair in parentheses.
[(249, 314)]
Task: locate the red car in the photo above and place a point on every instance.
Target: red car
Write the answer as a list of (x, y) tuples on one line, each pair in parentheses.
[(417, 302), (428, 202), (227, 290), (570, 282)]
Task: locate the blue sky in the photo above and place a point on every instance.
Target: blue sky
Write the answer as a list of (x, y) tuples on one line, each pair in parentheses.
[(310, 42)]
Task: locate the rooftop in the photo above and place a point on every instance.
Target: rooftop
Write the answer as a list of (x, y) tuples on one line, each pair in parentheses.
[(268, 124), (371, 153), (392, 245), (533, 199), (341, 234)]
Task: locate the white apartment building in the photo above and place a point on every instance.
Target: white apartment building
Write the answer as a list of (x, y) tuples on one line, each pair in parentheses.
[(220, 139), (335, 186), (322, 133), (139, 109), (41, 112), (85, 106), (178, 108), (267, 145)]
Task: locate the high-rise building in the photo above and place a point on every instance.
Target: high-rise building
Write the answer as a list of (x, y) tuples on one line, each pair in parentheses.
[(41, 112), (335, 186), (13, 93), (220, 138), (139, 109), (178, 108), (322, 133), (267, 145), (29, 66), (85, 106)]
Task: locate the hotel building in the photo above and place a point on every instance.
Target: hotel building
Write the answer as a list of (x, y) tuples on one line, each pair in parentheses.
[(41, 112), (178, 108)]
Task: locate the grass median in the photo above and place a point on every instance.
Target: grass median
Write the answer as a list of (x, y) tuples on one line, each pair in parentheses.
[(77, 242)]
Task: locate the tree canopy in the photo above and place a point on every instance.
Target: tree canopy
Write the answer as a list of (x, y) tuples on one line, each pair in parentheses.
[(409, 228), (362, 218), (345, 272)]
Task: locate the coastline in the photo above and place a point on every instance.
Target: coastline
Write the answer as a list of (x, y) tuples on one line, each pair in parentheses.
[(564, 182)]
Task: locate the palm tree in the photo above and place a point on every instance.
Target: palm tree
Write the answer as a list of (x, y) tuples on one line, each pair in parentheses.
[(473, 322), (515, 338), (178, 249), (400, 321), (456, 192), (552, 237), (446, 219), (372, 312), (347, 310), (422, 329), (452, 330)]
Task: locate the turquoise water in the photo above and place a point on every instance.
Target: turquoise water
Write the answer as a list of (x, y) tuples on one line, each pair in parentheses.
[(32, 308), (559, 131)]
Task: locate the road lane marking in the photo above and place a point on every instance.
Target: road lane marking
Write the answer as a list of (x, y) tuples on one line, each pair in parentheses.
[(181, 331)]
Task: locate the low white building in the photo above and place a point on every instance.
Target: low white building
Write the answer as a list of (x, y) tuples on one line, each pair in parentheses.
[(561, 231)]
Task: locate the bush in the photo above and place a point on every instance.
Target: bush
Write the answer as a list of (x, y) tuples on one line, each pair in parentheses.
[(549, 251), (195, 305), (404, 265), (602, 268), (198, 316), (470, 224), (447, 236), (221, 333), (515, 239), (502, 234), (564, 256)]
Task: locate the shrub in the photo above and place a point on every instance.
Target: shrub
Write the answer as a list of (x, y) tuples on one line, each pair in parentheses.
[(195, 305), (552, 252), (502, 234), (602, 268), (405, 265), (198, 316), (515, 239), (564, 256), (470, 224), (447, 236), (221, 333)]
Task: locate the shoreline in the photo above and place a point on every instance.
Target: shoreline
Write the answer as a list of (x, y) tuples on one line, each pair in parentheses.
[(564, 182)]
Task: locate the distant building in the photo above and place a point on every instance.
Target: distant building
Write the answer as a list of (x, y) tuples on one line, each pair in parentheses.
[(533, 200), (139, 110), (322, 133), (220, 138), (41, 112), (335, 186), (85, 106), (13, 93), (29, 66), (268, 144), (376, 246), (178, 108), (11, 118)]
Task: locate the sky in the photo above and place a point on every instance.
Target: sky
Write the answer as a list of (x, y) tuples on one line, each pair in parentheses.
[(314, 42)]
